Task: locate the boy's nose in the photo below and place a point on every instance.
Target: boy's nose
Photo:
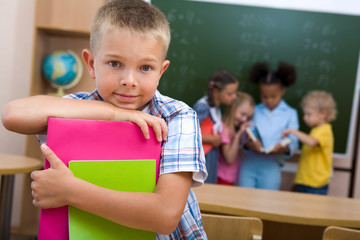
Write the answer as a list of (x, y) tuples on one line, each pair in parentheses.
[(128, 79)]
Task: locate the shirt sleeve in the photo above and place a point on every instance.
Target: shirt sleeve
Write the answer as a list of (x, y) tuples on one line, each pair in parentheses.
[(183, 151), (322, 136)]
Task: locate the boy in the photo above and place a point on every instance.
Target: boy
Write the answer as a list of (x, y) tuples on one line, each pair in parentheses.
[(128, 44), (315, 162)]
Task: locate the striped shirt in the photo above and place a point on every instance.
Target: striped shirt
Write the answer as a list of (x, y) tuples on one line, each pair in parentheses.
[(182, 152)]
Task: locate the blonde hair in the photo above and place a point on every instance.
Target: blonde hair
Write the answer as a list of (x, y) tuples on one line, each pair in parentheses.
[(321, 101), (137, 16), (241, 98)]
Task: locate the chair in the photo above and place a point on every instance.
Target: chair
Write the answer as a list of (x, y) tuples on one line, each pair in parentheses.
[(232, 227), (341, 233)]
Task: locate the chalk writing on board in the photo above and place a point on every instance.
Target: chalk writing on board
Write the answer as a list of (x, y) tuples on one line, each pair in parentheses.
[(326, 29), (186, 18), (251, 21)]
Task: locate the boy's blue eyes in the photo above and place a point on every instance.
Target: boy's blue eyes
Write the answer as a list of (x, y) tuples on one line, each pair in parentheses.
[(146, 68), (115, 64)]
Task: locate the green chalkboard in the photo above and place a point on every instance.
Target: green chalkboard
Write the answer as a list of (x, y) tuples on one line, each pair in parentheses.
[(206, 37)]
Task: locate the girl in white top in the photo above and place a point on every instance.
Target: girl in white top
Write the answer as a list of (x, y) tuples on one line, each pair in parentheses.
[(221, 90)]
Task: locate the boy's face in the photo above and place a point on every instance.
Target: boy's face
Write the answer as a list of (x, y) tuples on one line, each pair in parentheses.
[(313, 117), (127, 68)]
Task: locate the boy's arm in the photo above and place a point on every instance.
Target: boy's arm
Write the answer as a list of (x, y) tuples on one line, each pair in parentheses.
[(303, 137), (158, 212), (30, 115)]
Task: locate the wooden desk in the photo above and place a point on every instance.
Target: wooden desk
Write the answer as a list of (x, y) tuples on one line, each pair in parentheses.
[(9, 166), (286, 215)]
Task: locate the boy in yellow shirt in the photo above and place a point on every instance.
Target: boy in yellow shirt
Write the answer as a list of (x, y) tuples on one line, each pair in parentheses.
[(315, 162)]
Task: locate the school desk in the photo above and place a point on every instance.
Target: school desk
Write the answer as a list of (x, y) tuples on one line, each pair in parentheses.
[(286, 215), (9, 166)]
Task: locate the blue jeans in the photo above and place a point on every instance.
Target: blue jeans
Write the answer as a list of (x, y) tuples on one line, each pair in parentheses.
[(307, 189), (260, 173)]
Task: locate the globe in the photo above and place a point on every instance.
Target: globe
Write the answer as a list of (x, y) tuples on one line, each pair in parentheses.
[(62, 69)]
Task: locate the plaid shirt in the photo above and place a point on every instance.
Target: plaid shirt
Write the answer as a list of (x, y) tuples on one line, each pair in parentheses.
[(181, 153)]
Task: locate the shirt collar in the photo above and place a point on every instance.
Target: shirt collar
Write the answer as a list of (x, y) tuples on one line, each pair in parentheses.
[(95, 94), (280, 107)]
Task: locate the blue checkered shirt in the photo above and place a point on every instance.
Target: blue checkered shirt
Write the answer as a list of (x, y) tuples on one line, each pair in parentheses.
[(181, 153)]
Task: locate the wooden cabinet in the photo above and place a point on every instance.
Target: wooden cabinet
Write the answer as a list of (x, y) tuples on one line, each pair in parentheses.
[(59, 25)]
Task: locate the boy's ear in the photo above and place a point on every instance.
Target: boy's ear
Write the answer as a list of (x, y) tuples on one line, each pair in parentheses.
[(164, 66), (89, 60), (324, 113)]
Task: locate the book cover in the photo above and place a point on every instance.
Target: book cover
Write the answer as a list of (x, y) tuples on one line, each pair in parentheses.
[(79, 139), (129, 176)]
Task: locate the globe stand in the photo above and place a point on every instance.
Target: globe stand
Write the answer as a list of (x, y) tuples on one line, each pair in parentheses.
[(60, 93)]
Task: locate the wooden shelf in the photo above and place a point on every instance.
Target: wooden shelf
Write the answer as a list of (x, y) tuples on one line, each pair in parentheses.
[(61, 31)]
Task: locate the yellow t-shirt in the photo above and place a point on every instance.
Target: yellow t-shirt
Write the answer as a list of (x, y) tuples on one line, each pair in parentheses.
[(315, 163)]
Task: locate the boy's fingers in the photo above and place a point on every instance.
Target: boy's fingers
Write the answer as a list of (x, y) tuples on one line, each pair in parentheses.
[(164, 129), (54, 161), (34, 174), (157, 130), (159, 126), (144, 127)]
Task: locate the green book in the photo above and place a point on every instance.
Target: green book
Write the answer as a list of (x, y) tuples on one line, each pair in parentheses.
[(121, 175)]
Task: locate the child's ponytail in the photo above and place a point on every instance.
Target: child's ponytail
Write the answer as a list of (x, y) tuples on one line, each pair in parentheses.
[(285, 74)]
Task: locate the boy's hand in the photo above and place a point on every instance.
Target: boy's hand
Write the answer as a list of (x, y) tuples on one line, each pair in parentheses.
[(48, 186), (143, 120), (286, 132)]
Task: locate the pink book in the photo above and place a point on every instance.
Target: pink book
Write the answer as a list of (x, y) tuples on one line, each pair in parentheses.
[(78, 139)]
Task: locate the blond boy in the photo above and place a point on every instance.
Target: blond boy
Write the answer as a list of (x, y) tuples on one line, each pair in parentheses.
[(128, 45), (315, 163)]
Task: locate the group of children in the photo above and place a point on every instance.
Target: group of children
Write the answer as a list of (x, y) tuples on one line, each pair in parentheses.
[(256, 139), (128, 45)]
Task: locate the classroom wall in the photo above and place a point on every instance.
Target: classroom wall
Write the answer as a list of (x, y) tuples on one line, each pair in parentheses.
[(16, 29)]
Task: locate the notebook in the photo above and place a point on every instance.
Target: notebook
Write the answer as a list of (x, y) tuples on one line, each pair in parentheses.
[(129, 176), (284, 142), (78, 139)]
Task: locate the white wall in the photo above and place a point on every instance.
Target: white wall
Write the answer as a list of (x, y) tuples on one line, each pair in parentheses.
[(16, 33)]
